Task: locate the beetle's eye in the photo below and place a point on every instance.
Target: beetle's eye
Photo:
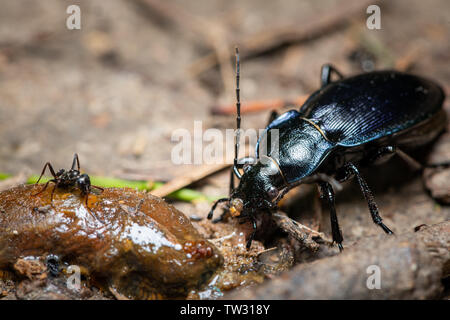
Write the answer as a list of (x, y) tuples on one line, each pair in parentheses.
[(272, 192)]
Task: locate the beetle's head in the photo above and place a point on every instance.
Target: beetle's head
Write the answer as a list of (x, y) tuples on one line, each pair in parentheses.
[(258, 189)]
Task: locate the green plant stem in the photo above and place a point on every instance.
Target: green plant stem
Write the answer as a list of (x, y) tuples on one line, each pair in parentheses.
[(184, 194)]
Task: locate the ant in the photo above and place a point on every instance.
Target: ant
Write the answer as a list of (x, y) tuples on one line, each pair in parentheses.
[(67, 179)]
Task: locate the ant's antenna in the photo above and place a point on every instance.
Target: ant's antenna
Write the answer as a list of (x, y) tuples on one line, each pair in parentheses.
[(238, 109)]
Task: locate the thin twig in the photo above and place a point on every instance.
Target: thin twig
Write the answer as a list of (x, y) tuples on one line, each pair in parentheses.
[(231, 235), (117, 295), (301, 233), (187, 179)]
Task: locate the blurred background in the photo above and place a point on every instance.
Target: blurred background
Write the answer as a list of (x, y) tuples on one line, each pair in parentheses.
[(115, 90)]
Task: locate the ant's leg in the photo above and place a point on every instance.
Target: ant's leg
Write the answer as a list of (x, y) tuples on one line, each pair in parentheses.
[(76, 162), (252, 235), (53, 192), (350, 170), (325, 74), (88, 209), (43, 171), (327, 193), (43, 189), (87, 203), (97, 187)]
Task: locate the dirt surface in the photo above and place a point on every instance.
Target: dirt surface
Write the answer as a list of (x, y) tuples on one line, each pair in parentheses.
[(411, 267), (116, 90)]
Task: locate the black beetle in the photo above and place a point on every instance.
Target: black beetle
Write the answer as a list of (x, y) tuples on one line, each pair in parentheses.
[(65, 179), (346, 123)]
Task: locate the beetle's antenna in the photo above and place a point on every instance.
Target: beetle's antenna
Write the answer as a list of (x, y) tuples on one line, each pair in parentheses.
[(238, 111), (237, 137)]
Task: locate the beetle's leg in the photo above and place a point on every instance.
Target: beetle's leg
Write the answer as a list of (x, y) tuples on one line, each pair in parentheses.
[(441, 165), (327, 193), (417, 164), (273, 115), (220, 218), (413, 163), (385, 153), (325, 74), (231, 182), (211, 212), (76, 162), (252, 235), (350, 170), (381, 155), (242, 162), (234, 172)]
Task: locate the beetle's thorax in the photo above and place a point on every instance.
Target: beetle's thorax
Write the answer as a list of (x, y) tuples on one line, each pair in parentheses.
[(302, 145)]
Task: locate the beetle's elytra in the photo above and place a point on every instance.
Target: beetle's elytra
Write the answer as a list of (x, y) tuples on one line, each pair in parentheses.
[(345, 124)]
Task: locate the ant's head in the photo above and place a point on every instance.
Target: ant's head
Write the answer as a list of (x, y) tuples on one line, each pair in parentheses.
[(259, 188), (84, 183)]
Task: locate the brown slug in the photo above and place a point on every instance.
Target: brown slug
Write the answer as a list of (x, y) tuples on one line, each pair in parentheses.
[(129, 241)]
